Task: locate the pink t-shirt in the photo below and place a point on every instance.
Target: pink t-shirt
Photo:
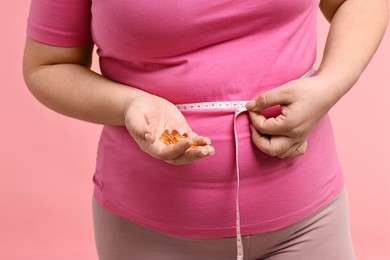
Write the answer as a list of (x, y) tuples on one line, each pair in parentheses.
[(199, 51)]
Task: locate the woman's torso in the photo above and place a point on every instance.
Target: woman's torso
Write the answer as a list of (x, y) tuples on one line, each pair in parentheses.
[(202, 51)]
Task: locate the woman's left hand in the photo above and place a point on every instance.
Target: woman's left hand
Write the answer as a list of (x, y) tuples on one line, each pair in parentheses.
[(303, 102)]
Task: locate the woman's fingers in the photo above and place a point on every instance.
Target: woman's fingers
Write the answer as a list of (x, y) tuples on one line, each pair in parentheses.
[(192, 154), (295, 150), (277, 145), (273, 97), (279, 125), (193, 147), (172, 151), (199, 140), (284, 117)]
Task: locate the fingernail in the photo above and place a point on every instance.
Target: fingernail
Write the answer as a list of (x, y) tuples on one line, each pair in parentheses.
[(148, 136), (203, 154), (250, 105), (208, 141)]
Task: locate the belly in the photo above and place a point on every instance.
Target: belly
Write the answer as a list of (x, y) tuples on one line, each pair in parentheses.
[(199, 198)]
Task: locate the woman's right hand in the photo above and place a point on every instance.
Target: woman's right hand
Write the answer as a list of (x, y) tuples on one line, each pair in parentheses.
[(146, 118)]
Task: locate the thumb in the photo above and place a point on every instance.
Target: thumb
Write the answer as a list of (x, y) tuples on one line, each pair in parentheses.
[(140, 129), (273, 97)]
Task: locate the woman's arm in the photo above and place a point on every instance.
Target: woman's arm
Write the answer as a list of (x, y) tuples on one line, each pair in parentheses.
[(61, 79), (357, 27)]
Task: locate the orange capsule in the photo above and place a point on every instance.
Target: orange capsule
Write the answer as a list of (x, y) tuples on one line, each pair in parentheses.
[(166, 138), (174, 137)]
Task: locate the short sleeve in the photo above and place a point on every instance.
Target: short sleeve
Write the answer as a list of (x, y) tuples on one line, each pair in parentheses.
[(62, 23)]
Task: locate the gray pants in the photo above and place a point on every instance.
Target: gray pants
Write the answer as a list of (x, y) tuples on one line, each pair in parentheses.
[(323, 236)]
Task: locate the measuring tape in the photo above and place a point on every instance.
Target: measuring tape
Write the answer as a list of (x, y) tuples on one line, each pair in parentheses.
[(240, 108)]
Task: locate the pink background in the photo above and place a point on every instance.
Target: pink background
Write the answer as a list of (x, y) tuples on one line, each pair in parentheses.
[(47, 160)]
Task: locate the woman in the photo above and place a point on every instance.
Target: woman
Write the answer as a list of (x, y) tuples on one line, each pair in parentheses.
[(270, 180)]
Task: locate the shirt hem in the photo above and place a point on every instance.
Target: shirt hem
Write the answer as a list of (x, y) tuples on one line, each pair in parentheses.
[(210, 233)]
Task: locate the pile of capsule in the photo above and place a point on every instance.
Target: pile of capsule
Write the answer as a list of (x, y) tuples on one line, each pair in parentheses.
[(173, 137)]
